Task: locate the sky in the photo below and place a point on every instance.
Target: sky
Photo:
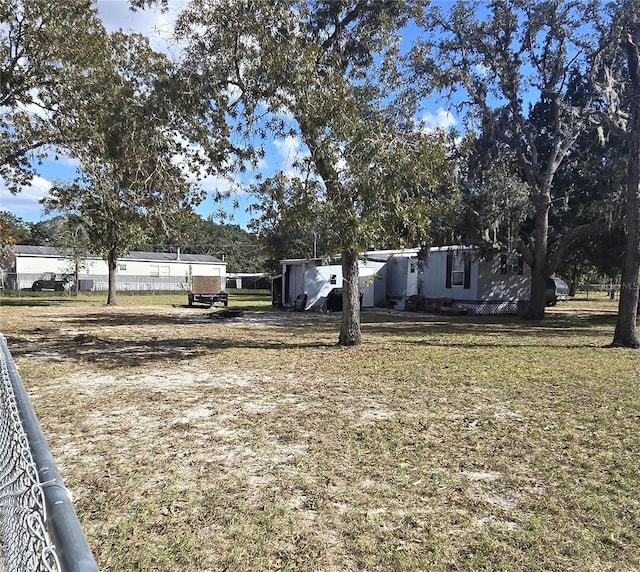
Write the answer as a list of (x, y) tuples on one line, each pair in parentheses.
[(280, 154)]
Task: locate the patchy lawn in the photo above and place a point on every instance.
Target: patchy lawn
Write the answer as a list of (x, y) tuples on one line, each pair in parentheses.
[(442, 443)]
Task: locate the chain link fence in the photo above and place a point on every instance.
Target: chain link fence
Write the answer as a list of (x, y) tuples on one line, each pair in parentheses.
[(100, 283), (39, 530)]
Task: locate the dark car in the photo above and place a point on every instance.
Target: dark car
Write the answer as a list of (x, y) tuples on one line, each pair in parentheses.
[(557, 289), (52, 281)]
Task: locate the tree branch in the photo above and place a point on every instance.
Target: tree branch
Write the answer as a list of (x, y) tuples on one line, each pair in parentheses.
[(342, 24), (15, 155), (568, 239)]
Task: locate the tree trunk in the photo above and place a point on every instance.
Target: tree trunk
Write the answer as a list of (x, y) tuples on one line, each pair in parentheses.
[(626, 327), (539, 269), (76, 276), (111, 294), (625, 335), (538, 295), (350, 334)]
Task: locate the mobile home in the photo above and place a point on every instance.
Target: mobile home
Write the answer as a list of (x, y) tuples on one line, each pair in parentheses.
[(23, 264), (463, 275), (491, 283)]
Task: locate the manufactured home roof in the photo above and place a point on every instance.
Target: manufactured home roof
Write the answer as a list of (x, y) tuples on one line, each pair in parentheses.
[(456, 247), (28, 250), (372, 255)]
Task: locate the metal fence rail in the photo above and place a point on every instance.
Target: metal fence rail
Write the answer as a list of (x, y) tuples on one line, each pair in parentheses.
[(39, 529)]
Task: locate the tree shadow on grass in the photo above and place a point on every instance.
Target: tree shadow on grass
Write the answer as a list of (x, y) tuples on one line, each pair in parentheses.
[(502, 331), (28, 302), (117, 354), (66, 340)]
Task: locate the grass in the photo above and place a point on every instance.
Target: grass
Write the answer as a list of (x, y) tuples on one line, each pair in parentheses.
[(441, 443), (244, 298)]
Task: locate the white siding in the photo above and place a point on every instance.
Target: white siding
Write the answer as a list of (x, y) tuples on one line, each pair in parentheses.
[(401, 281), (39, 264), (487, 284), (435, 276), (317, 281), (26, 264), (508, 287)]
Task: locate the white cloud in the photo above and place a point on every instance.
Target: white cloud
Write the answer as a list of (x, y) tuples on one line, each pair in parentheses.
[(25, 204), (441, 119), (57, 157), (288, 149), (217, 183), (152, 22)]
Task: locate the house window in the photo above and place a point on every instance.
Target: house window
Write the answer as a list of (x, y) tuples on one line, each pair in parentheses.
[(503, 264), (457, 272), (122, 267), (518, 267), (333, 279), (412, 270), (156, 270), (513, 264)]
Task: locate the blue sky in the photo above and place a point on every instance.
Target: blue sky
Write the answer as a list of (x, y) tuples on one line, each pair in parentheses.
[(280, 154)]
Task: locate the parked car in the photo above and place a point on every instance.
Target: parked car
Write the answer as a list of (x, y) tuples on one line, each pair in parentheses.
[(557, 289), (52, 281)]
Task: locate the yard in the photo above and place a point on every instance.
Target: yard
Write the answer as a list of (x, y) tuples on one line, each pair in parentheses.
[(442, 443)]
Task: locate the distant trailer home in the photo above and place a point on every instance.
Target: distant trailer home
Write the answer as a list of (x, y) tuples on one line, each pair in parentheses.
[(22, 265), (483, 284)]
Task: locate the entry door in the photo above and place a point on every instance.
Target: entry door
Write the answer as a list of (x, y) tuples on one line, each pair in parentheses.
[(412, 277)]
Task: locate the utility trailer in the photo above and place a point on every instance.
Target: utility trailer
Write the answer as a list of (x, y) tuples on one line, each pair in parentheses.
[(207, 290)]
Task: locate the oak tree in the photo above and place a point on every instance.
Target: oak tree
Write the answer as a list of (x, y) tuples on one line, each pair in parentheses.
[(326, 71), (620, 88), (45, 48), (509, 58), (137, 152)]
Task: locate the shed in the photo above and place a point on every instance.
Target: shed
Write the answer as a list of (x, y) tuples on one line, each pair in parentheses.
[(249, 281)]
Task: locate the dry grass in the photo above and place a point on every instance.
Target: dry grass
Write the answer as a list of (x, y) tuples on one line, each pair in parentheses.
[(463, 443)]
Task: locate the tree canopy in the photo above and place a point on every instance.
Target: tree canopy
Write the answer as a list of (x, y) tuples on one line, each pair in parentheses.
[(135, 154), (326, 72), (45, 48), (515, 60)]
